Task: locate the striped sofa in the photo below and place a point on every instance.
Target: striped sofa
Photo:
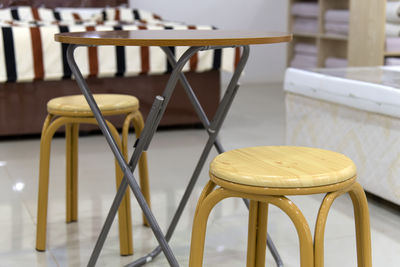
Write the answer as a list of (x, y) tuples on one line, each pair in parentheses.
[(33, 67)]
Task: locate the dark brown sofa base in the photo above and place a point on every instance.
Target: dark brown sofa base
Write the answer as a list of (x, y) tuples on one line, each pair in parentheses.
[(23, 105)]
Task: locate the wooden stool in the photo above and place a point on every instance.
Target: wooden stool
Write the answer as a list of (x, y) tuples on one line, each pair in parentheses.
[(264, 175), (71, 111)]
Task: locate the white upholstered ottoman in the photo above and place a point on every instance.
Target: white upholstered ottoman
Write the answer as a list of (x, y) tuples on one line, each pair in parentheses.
[(355, 111)]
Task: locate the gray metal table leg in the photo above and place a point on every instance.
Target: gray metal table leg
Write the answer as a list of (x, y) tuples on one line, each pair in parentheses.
[(152, 122), (122, 189), (158, 109), (203, 117), (213, 130)]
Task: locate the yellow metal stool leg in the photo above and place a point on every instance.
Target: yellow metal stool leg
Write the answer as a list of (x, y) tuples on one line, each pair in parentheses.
[(257, 225), (257, 234), (261, 245), (124, 218), (71, 155), (252, 234), (361, 217), (72, 134), (43, 187), (262, 175), (49, 128), (75, 140), (203, 210), (319, 234), (138, 124), (124, 211), (363, 232)]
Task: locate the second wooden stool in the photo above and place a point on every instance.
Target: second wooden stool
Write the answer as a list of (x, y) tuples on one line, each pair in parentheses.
[(264, 175), (72, 111)]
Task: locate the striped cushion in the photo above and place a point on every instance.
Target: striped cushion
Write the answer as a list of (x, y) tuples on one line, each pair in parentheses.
[(30, 53), (5, 14), (129, 14), (27, 13), (79, 14)]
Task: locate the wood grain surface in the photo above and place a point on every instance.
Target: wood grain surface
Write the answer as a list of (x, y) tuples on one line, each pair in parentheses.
[(76, 105), (283, 166), (172, 38)]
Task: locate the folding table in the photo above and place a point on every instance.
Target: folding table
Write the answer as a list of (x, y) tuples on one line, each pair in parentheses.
[(199, 40)]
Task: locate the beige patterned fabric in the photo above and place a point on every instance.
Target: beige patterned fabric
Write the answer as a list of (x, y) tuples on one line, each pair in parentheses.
[(371, 140)]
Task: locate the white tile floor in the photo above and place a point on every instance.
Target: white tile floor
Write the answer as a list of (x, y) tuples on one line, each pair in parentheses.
[(256, 118)]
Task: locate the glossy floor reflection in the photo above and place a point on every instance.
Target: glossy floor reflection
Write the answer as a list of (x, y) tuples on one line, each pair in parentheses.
[(256, 118)]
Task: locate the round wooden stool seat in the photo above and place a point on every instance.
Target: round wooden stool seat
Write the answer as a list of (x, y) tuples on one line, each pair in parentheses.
[(109, 104), (283, 167)]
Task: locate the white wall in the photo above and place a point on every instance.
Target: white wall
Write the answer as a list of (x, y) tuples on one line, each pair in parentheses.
[(266, 62)]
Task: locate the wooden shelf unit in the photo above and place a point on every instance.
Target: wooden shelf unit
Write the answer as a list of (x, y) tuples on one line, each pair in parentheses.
[(365, 44), (327, 45), (392, 54)]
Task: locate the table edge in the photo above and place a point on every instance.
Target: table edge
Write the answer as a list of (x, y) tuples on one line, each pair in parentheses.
[(171, 42)]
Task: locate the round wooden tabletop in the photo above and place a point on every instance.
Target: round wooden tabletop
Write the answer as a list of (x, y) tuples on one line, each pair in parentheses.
[(172, 38)]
